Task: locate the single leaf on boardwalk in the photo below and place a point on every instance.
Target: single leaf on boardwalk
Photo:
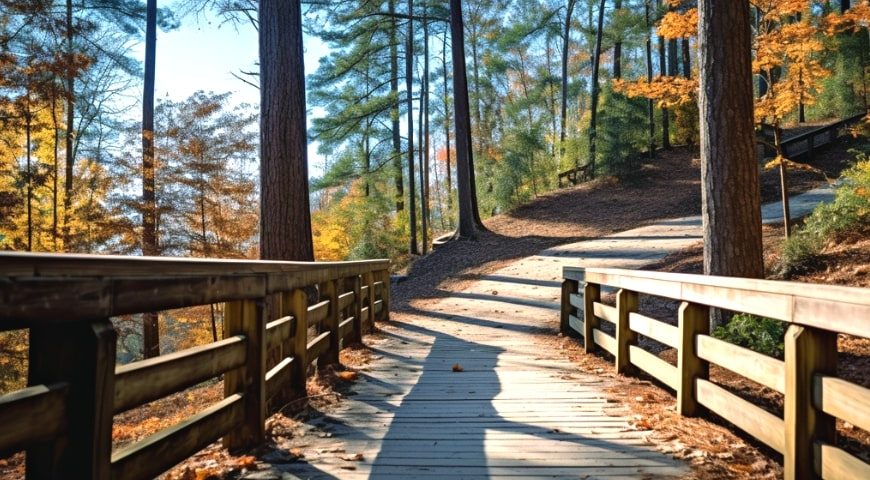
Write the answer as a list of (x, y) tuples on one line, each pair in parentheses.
[(247, 462), (458, 368)]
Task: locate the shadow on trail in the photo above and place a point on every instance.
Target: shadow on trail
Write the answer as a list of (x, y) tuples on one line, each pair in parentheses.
[(468, 425), (453, 425)]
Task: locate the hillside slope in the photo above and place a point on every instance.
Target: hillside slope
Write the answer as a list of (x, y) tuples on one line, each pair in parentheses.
[(666, 187)]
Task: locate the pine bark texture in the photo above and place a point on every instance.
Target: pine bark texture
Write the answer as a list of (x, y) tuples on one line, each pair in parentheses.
[(731, 198), (285, 218)]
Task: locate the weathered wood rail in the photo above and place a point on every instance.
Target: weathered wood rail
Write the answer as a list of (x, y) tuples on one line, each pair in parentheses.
[(279, 318), (813, 395), (806, 143)]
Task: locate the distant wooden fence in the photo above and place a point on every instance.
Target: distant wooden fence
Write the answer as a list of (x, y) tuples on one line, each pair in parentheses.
[(63, 419), (814, 397), (580, 173)]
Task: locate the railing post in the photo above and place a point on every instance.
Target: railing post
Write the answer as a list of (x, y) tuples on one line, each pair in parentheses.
[(569, 287), (368, 279), (385, 296), (693, 320), (808, 351), (330, 292), (82, 355), (356, 336), (247, 317), (296, 302), (626, 302), (591, 294)]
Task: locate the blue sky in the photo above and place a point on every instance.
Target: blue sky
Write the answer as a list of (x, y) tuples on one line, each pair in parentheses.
[(202, 55)]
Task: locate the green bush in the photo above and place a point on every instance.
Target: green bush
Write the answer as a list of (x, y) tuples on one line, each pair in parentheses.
[(763, 335), (849, 212)]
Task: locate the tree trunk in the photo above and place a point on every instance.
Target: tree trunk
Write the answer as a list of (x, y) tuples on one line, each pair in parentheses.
[(783, 179), (649, 76), (566, 43), (687, 61), (424, 227), (149, 202), (447, 130), (70, 121), (54, 189), (663, 70), (731, 204), (469, 224), (596, 61), (28, 149), (150, 327), (617, 48), (285, 217), (394, 112), (409, 87), (845, 5), (427, 220)]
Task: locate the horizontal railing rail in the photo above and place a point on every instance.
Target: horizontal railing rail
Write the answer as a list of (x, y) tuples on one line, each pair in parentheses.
[(576, 174), (279, 318), (805, 143), (814, 397)]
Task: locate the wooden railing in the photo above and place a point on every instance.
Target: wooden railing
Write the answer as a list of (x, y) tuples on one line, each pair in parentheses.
[(576, 175), (813, 395), (64, 418), (806, 143)]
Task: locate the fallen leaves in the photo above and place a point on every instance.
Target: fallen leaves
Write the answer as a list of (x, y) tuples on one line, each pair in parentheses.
[(348, 376), (458, 368), (248, 462)]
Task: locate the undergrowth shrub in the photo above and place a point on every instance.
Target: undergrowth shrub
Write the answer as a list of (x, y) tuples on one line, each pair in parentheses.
[(848, 213), (763, 335)]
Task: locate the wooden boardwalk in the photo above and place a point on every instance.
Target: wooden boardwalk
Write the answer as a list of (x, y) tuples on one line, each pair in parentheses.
[(515, 411), (519, 408)]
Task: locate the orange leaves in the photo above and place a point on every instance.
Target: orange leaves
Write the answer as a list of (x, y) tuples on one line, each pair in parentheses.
[(679, 25), (247, 462), (774, 10), (780, 160), (667, 92), (347, 376), (793, 49), (854, 19)]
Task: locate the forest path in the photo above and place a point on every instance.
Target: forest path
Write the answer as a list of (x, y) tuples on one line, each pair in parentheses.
[(519, 408)]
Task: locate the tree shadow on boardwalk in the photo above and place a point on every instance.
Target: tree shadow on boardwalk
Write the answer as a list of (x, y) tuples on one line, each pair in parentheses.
[(470, 424)]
